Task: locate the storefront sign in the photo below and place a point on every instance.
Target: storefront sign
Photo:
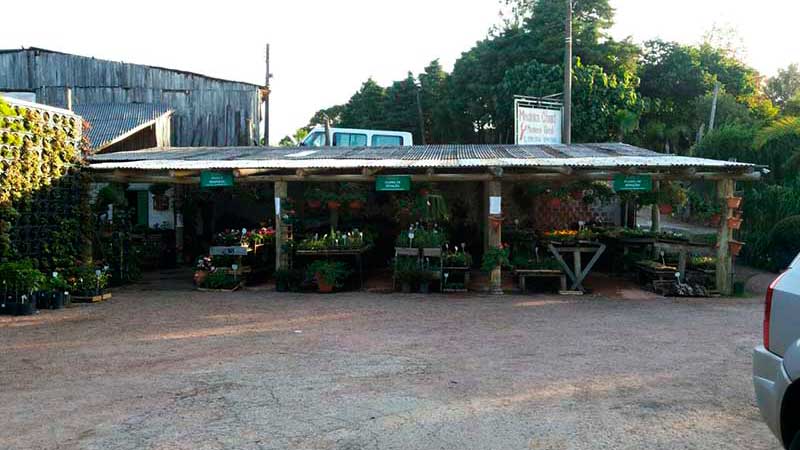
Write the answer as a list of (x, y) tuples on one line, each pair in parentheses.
[(392, 183), (216, 179), (637, 183), (537, 125)]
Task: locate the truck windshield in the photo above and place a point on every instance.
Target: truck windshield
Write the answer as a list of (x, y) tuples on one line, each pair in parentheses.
[(315, 139)]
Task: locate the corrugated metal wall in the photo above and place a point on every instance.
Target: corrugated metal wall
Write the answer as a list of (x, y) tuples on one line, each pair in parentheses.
[(208, 111)]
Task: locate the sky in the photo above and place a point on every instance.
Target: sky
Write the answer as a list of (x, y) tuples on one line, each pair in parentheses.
[(321, 51)]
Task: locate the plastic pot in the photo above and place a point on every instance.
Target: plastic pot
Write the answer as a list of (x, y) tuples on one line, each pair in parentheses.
[(27, 308), (333, 204), (424, 287), (734, 202), (356, 204)]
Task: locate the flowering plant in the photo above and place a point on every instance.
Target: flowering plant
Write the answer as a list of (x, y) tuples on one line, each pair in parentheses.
[(204, 263), (495, 257), (228, 237), (260, 236)]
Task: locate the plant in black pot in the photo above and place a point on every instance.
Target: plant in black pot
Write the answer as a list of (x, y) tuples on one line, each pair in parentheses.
[(407, 273), (54, 293), (20, 281)]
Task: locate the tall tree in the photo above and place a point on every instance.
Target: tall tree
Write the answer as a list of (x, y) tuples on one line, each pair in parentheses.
[(366, 108), (785, 85)]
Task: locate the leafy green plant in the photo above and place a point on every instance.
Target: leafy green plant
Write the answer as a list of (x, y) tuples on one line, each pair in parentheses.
[(330, 272), (220, 279), (21, 276), (84, 280), (495, 257)]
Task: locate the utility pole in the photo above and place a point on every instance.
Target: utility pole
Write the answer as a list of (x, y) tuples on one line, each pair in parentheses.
[(713, 108), (567, 127), (421, 117), (266, 103)]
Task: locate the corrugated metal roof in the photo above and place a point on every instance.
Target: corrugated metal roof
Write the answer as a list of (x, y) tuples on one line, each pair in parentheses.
[(110, 121), (429, 156)]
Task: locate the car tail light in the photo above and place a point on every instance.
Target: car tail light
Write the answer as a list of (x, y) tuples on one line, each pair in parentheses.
[(768, 308)]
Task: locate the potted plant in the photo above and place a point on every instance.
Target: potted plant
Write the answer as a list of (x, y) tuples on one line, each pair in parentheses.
[(734, 202), (54, 294), (425, 277), (203, 268), (736, 247), (285, 280), (407, 273), (328, 274), (314, 197), (495, 257), (160, 198), (20, 281), (735, 223)]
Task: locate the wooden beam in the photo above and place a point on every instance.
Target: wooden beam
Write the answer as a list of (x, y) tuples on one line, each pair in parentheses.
[(281, 236), (183, 173), (369, 171), (495, 239), (724, 273), (241, 173)]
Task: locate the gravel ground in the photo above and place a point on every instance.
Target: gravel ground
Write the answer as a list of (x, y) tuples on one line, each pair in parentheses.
[(260, 370)]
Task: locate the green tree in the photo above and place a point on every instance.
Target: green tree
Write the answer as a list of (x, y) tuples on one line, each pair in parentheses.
[(366, 108), (785, 85)]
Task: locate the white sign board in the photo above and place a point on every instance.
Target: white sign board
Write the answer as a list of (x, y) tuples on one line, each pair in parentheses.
[(537, 125), (494, 205)]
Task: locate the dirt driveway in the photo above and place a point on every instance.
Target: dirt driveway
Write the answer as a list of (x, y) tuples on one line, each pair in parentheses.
[(260, 370)]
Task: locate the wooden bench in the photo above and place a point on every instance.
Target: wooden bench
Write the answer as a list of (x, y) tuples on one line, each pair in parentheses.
[(524, 274)]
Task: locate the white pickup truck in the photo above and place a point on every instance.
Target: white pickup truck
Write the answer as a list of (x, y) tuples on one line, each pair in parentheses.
[(356, 137), (776, 364)]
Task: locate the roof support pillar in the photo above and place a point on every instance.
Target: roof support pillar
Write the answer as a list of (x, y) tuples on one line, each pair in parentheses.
[(494, 225), (179, 192), (281, 229), (655, 212), (725, 189)]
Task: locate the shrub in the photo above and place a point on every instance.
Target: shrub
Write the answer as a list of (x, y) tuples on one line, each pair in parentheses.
[(330, 272), (21, 276), (785, 241)]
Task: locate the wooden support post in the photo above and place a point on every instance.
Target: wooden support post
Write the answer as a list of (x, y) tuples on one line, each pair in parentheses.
[(724, 259), (655, 212), (494, 237), (281, 258), (178, 191)]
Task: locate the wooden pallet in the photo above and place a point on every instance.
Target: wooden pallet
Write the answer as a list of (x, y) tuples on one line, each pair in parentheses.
[(91, 299)]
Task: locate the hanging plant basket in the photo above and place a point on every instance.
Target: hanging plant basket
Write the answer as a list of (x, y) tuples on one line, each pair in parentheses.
[(735, 223), (736, 247), (160, 202), (665, 209), (356, 205), (734, 202), (333, 204), (496, 221), (315, 204)]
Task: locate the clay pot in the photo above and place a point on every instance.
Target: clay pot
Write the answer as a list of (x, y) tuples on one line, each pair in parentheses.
[(736, 247), (315, 204), (199, 277), (715, 220), (333, 204), (734, 202), (735, 223), (322, 286), (577, 195), (665, 209), (356, 204)]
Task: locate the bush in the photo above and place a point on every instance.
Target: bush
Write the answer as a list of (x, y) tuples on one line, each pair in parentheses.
[(20, 277), (785, 241), (330, 272)]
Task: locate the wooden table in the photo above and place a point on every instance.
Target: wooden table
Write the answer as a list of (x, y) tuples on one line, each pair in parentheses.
[(576, 273), (356, 253), (683, 248), (540, 273)]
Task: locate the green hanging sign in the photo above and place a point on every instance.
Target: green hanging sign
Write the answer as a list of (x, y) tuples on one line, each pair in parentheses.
[(216, 179), (636, 183), (393, 183)]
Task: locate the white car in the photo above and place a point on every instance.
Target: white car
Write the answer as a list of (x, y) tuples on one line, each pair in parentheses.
[(354, 137), (776, 364)]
